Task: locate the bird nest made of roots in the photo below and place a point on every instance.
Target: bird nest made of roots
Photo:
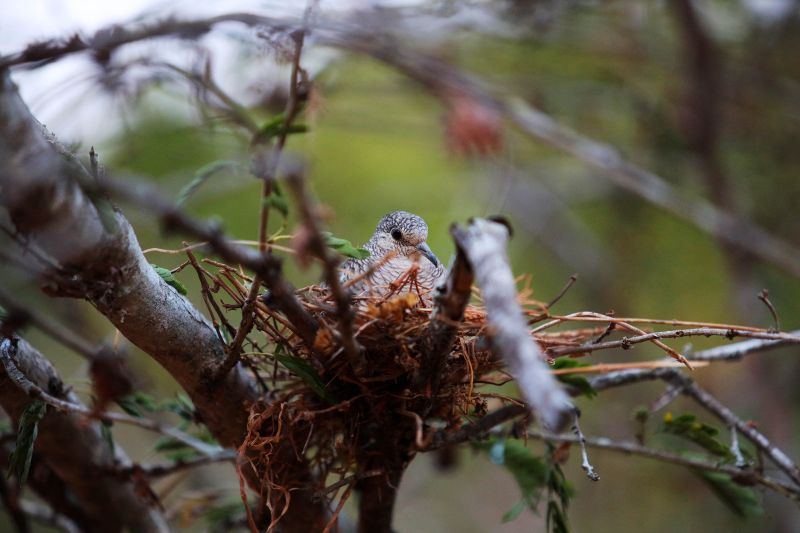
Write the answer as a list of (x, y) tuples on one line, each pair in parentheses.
[(356, 413), (350, 419)]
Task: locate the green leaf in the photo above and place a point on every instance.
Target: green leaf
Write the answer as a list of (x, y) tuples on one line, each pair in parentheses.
[(274, 127), (105, 432), (743, 501), (306, 372), (181, 405), (344, 247), (514, 512), (559, 493), (530, 472), (172, 281), (137, 404), (686, 426), (278, 202), (176, 450), (20, 460), (575, 380), (202, 175)]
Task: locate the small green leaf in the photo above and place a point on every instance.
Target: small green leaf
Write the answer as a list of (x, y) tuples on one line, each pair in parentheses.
[(170, 279), (105, 432), (743, 501), (278, 202), (530, 472), (575, 380), (137, 404), (20, 460), (306, 372), (513, 513), (701, 434), (344, 247), (176, 450), (181, 405), (274, 127), (202, 175)]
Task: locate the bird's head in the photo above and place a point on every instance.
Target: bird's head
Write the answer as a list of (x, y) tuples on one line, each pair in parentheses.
[(405, 233)]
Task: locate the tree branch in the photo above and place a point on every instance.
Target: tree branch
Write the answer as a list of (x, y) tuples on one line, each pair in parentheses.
[(451, 299), (484, 243), (632, 448), (101, 261), (626, 342), (77, 452)]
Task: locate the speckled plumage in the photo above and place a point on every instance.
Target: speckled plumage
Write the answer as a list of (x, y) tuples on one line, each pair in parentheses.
[(401, 237)]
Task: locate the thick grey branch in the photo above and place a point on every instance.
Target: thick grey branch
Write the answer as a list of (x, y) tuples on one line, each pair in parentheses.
[(101, 261), (484, 244), (74, 450)]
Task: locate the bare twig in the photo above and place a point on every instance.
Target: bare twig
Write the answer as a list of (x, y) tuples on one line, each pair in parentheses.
[(445, 80), (7, 352), (75, 447), (631, 448), (52, 328), (626, 342), (268, 267), (484, 243), (585, 464), (330, 261), (764, 297), (165, 469), (476, 430), (736, 351)]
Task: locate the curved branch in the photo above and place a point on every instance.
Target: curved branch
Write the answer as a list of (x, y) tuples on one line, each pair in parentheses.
[(75, 451), (100, 260)]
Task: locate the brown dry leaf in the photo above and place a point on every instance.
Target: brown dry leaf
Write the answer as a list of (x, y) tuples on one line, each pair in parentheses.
[(323, 341), (394, 308)]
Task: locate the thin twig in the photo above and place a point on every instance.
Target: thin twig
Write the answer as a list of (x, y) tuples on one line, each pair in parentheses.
[(50, 327), (585, 464), (627, 342), (764, 297), (572, 279), (330, 261), (7, 351), (632, 448), (166, 469)]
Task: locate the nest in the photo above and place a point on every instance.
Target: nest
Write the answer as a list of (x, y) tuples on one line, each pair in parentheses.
[(350, 421)]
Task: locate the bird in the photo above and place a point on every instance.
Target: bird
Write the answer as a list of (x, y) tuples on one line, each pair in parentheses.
[(399, 242)]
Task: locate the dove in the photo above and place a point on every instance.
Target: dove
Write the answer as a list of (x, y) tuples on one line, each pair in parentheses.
[(397, 244)]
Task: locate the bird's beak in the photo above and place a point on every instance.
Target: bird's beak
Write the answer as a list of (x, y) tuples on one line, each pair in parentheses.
[(425, 250)]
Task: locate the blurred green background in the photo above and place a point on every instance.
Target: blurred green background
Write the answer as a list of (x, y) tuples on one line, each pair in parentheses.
[(614, 71)]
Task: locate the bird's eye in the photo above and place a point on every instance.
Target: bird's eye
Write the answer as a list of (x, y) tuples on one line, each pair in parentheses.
[(397, 234)]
